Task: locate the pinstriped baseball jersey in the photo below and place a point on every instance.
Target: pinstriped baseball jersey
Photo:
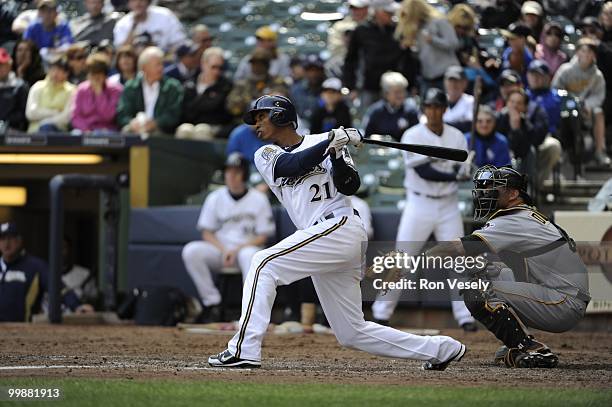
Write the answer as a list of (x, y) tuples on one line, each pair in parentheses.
[(309, 197)]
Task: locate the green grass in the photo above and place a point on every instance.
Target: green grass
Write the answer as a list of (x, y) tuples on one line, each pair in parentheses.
[(134, 393)]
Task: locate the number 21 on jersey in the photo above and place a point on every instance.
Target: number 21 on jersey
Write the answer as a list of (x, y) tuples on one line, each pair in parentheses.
[(319, 195)]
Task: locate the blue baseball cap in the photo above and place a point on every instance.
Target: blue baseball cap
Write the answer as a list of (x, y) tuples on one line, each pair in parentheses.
[(9, 229), (539, 66)]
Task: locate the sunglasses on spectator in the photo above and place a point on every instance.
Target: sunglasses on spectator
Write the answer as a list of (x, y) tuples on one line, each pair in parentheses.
[(78, 57)]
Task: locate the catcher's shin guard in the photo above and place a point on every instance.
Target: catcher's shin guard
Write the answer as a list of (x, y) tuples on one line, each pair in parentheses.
[(500, 319)]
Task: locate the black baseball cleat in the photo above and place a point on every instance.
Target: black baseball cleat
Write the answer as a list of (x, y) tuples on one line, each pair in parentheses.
[(536, 356), (226, 359), (441, 366)]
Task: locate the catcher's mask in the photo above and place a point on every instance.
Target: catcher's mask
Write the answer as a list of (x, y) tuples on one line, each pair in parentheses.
[(488, 181)]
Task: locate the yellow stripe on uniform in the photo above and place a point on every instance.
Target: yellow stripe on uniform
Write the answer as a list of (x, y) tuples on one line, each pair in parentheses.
[(266, 261), (31, 297)]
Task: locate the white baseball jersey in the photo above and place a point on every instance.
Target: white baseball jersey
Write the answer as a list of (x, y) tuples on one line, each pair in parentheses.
[(420, 134), (307, 198), (461, 111), (235, 222)]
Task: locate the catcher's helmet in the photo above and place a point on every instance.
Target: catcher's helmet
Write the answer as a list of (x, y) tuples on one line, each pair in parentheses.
[(435, 97), (488, 180), (237, 160), (281, 110)]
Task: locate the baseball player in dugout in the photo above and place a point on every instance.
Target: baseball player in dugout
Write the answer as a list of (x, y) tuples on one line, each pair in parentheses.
[(235, 221), (537, 281), (313, 177), (432, 202)]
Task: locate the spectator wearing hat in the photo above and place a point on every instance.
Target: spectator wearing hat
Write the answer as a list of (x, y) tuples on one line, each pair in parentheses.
[(517, 55), (549, 48), (532, 15), (253, 86), (422, 25), (306, 93), (500, 13), (581, 77), (339, 34), (266, 39), (24, 280), (96, 99), (95, 25), (490, 147), (460, 109), (187, 67), (395, 112), (13, 95), (160, 23), (539, 91), (77, 55), (27, 63), (47, 32), (332, 111), (150, 103), (508, 80), (49, 101), (201, 36), (204, 114), (372, 51), (126, 65)]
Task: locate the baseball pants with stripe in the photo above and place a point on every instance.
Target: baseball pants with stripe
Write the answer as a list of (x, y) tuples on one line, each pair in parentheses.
[(330, 253)]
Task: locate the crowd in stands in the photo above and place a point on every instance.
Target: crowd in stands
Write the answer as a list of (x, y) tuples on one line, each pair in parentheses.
[(137, 69)]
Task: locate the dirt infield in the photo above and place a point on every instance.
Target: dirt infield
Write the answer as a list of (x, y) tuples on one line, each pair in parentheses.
[(140, 353)]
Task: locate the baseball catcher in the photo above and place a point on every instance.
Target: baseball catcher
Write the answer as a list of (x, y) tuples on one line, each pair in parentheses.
[(543, 282)]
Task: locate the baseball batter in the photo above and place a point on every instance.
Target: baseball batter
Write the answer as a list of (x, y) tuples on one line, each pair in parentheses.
[(432, 203), (312, 177), (235, 222), (546, 286)]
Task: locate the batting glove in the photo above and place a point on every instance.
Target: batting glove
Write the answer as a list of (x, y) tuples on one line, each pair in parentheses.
[(355, 137), (338, 138)]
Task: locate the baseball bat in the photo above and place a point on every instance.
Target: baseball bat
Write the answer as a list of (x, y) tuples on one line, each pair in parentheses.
[(431, 151)]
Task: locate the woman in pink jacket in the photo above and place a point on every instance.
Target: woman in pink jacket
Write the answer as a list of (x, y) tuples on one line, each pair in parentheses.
[(95, 103)]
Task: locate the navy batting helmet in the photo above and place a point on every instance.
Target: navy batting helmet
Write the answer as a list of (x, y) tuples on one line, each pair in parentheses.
[(435, 97), (488, 180), (281, 110), (237, 160)]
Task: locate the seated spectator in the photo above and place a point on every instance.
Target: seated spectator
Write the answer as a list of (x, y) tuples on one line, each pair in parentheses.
[(77, 55), (96, 99), (201, 36), (539, 91), (236, 222), (244, 140), (395, 112), (160, 23), (49, 101), (126, 65), (95, 25), (460, 105), (339, 34), (25, 279), (252, 87), (549, 48), (582, 78), (500, 13), (47, 33), (267, 39), (306, 93), (532, 15), (489, 146), (517, 56), (150, 103), (525, 125), (13, 94), (186, 68), (508, 81), (27, 63), (332, 111), (204, 105), (28, 16)]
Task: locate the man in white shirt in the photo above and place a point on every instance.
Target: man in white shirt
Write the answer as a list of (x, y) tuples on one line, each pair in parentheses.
[(235, 221), (160, 23), (460, 111)]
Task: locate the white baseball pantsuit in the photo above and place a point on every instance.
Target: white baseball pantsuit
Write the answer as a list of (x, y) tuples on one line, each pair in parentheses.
[(423, 216), (201, 257), (329, 252)]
